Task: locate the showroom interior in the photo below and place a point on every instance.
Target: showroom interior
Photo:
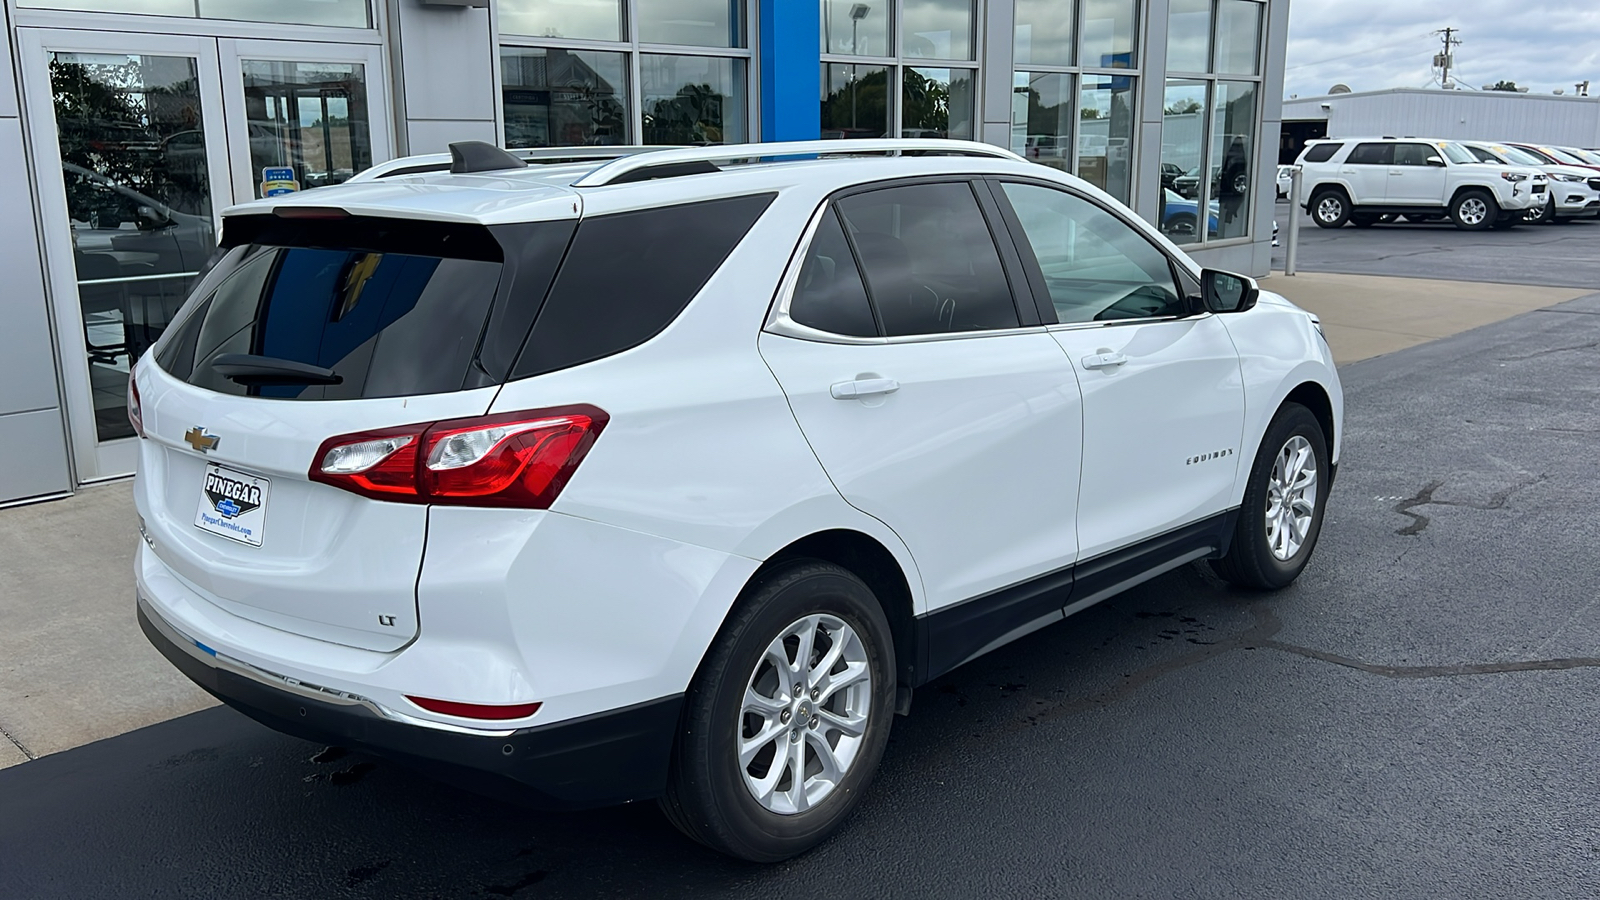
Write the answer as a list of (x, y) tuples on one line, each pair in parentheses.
[(129, 125)]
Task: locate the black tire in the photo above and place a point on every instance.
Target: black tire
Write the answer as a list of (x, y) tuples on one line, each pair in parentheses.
[(1544, 216), (1365, 220), (1250, 562), (1180, 224), (1474, 210), (706, 797), (1330, 208)]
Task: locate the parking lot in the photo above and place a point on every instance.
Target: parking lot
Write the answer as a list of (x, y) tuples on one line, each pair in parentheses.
[(1414, 717)]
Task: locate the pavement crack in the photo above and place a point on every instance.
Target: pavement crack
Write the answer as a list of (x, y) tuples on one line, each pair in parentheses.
[(1424, 497), (18, 744), (1536, 665), (1538, 353)]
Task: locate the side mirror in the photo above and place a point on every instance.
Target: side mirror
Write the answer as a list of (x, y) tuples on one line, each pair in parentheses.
[(1436, 161), (1224, 292)]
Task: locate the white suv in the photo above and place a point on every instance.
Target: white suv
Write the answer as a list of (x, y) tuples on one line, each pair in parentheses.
[(1364, 181), (671, 476)]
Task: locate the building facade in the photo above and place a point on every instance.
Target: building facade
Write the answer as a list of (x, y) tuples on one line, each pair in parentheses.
[(128, 125), (1563, 121)]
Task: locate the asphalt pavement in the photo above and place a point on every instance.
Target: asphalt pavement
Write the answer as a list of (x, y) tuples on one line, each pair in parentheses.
[(1561, 255), (1416, 717)]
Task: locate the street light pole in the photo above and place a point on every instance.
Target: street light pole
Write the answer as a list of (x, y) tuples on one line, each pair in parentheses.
[(857, 13)]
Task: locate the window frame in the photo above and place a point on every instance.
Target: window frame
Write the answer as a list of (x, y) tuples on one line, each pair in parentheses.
[(1211, 77), (632, 49), (779, 322), (898, 62), (1182, 278)]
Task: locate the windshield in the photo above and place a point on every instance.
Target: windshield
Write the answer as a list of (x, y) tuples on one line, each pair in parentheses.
[(1563, 156), (1518, 157), (1458, 154)]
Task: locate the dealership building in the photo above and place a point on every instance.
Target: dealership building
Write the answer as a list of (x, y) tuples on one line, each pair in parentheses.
[(130, 124)]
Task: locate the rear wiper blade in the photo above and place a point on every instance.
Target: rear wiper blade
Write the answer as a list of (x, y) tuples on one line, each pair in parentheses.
[(250, 369)]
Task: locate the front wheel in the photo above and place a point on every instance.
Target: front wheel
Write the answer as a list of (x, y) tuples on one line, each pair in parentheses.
[(1281, 516), (788, 717), (1330, 209), (1474, 210), (1544, 215)]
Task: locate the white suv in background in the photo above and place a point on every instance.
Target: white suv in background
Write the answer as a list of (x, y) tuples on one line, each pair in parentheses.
[(1361, 181), (671, 476), (1574, 190)]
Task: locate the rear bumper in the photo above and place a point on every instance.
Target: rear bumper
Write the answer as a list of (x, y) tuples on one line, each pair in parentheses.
[(611, 757)]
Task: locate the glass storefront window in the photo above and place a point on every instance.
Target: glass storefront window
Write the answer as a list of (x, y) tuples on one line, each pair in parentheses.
[(1182, 145), (1233, 125), (311, 117), (1041, 118), (1238, 37), (1189, 36), (599, 20), (138, 191), (696, 23), (1043, 33), (1108, 33), (1105, 133), (856, 28), (937, 103), (562, 98), (855, 101), (937, 29), (692, 99), (346, 13)]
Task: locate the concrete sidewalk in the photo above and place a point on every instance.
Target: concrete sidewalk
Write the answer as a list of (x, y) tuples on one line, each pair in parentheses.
[(74, 667)]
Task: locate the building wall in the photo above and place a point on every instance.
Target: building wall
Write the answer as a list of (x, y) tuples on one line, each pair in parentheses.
[(35, 458), (1456, 115)]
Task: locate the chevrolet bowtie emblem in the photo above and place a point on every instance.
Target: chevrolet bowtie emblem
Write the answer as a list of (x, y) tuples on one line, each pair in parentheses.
[(201, 441)]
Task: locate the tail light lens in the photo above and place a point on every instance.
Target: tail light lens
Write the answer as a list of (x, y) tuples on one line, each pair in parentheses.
[(135, 411), (520, 459), (476, 710)]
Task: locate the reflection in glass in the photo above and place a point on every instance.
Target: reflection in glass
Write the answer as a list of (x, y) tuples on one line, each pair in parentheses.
[(1043, 32), (1182, 142), (1105, 133), (1238, 37), (855, 101), (563, 98), (1108, 33), (311, 117), (1041, 118), (1189, 36), (696, 23), (1233, 126), (856, 28), (692, 99), (936, 103), (347, 13), (937, 29), (138, 196), (147, 7), (599, 20)]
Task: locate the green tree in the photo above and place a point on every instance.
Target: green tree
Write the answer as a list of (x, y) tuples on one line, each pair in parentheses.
[(1504, 85)]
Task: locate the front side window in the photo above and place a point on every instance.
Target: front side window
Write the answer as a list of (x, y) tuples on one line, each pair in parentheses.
[(930, 262), (1096, 267), (1482, 156), (1414, 154)]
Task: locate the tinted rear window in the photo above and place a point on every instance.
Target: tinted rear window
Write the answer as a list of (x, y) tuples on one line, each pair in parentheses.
[(1322, 152), (393, 308), (628, 275)]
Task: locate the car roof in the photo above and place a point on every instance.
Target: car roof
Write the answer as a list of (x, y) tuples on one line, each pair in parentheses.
[(564, 190)]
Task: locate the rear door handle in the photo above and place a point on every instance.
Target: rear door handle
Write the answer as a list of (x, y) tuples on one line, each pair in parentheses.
[(1104, 360), (867, 387)]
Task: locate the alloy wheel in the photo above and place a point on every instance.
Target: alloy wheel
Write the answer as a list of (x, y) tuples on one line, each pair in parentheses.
[(1330, 209), (1291, 497), (1473, 211), (804, 716)]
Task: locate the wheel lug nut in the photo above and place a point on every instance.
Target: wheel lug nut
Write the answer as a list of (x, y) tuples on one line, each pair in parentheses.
[(794, 736), (815, 694), (798, 688), (784, 717), (812, 723)]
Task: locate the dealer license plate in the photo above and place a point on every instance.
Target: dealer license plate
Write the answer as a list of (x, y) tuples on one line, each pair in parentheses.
[(233, 505)]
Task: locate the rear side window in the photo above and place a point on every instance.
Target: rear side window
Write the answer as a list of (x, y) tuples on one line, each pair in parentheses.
[(1372, 155), (930, 262), (830, 296), (392, 308), (628, 275), (1322, 152)]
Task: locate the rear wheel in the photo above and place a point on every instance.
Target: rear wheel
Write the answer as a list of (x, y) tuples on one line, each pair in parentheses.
[(788, 717), (1330, 209), (1281, 516), (1474, 210)]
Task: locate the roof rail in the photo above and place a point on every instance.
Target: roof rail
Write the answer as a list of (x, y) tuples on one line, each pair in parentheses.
[(634, 167), (440, 162)]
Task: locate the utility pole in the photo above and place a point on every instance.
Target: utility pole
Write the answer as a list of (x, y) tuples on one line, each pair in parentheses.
[(1446, 59)]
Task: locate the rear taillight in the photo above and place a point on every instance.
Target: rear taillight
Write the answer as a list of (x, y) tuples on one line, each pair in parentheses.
[(520, 459), (135, 412)]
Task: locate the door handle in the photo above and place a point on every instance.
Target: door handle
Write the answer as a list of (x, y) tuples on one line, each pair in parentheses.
[(866, 387), (1104, 360)]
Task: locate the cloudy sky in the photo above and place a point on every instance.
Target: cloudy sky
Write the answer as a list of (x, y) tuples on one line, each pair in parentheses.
[(1375, 44)]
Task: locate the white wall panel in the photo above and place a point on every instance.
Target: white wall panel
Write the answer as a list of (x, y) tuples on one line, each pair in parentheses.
[(435, 136), (447, 62), (27, 365), (38, 465)]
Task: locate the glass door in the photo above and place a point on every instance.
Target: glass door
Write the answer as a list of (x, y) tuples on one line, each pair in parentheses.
[(302, 115), (132, 165)]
